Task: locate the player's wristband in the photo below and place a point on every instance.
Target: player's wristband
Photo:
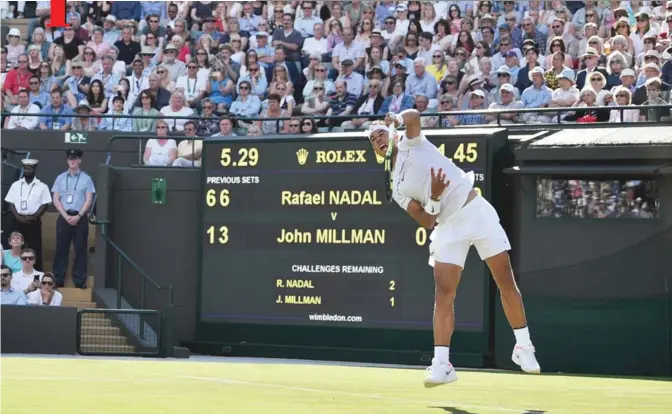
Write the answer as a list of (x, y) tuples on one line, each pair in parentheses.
[(433, 207)]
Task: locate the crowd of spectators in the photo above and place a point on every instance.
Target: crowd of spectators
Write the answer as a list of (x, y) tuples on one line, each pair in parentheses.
[(252, 61)]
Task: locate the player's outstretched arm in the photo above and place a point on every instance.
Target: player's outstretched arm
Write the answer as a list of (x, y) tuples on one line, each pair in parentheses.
[(410, 118)]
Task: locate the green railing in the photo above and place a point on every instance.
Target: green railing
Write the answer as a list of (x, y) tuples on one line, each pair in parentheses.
[(167, 311)]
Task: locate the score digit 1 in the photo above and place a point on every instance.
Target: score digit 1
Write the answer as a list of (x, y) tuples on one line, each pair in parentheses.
[(392, 288), (463, 153)]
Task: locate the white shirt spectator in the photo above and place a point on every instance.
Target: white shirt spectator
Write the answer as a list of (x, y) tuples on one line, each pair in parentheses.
[(35, 298), (137, 85), (176, 124), (313, 46), (31, 196), (21, 281), (160, 154), (427, 54), (192, 87), (353, 52), (19, 118)]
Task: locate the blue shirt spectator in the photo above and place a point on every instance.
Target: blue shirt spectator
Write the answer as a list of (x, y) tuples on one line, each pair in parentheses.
[(259, 87), (126, 10), (115, 123), (421, 82), (52, 115), (246, 105), (13, 297), (147, 8)]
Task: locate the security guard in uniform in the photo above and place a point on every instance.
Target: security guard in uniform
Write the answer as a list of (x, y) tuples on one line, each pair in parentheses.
[(73, 195), (28, 199)]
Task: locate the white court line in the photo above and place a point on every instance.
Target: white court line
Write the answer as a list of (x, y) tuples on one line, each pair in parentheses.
[(353, 394), (90, 379)]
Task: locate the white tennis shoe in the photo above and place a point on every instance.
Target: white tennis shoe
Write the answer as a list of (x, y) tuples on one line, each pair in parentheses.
[(523, 356), (439, 373)]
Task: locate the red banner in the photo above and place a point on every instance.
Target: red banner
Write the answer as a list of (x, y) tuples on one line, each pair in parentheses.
[(57, 18)]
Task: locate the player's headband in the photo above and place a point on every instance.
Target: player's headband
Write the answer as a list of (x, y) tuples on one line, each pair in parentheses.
[(378, 127)]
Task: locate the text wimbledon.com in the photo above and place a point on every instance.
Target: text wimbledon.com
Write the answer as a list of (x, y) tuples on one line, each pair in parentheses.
[(327, 317)]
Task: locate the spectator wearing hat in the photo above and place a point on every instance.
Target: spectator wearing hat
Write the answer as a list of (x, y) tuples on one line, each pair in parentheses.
[(420, 81), (538, 95), (14, 46), (17, 79), (506, 101), (111, 33), (24, 114), (623, 97), (76, 86), (503, 77), (627, 79), (590, 59), (651, 71), (566, 94), (28, 199), (52, 114), (9, 295), (114, 121), (176, 67), (650, 56), (643, 28), (476, 103), (83, 123), (73, 193), (354, 80), (161, 151)]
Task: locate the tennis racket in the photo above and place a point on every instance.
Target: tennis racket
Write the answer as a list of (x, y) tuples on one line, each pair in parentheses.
[(389, 176)]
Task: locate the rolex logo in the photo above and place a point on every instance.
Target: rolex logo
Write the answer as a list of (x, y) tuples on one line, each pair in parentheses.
[(302, 156), (379, 158)]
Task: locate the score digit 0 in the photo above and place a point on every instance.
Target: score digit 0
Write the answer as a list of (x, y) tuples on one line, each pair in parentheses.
[(247, 157), (211, 198)]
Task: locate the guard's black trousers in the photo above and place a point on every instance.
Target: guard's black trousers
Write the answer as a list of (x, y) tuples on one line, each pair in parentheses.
[(77, 235)]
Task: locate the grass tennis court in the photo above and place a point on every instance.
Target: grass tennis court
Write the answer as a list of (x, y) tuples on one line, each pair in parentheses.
[(141, 386)]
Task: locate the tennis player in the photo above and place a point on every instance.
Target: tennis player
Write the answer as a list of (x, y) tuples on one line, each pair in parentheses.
[(438, 195)]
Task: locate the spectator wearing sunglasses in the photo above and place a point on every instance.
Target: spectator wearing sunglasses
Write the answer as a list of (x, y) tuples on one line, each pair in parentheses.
[(45, 295), (28, 278), (10, 296)]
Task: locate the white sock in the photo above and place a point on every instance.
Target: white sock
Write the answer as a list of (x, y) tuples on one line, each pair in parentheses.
[(442, 353), (522, 336)]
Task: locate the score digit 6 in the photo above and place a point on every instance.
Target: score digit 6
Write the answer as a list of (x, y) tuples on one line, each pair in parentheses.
[(211, 198)]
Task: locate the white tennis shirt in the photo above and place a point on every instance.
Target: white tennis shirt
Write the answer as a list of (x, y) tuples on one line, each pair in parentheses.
[(413, 178)]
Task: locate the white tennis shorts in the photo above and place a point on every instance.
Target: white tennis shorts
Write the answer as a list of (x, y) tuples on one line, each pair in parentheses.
[(476, 223)]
